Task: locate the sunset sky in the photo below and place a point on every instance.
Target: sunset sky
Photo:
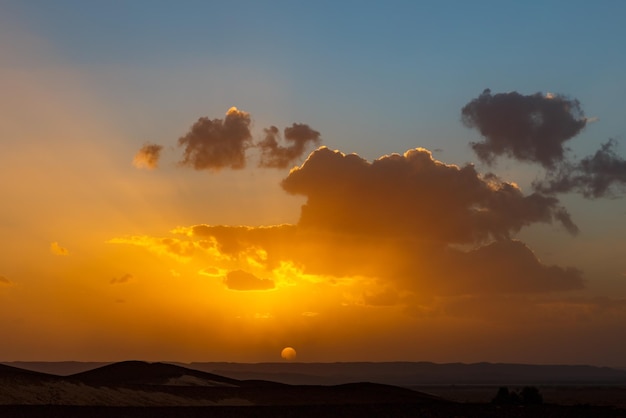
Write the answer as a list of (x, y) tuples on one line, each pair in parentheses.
[(215, 181)]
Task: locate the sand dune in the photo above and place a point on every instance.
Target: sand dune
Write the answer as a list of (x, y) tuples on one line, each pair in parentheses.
[(135, 383)]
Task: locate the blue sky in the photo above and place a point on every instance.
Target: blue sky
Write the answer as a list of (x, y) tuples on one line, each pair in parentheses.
[(369, 66)]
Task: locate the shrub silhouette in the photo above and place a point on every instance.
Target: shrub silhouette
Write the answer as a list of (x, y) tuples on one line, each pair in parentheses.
[(529, 395), (503, 396)]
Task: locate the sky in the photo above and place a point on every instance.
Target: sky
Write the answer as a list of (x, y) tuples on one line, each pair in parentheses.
[(359, 180)]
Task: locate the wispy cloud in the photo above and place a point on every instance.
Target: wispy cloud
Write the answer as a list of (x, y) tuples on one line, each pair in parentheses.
[(212, 272), (57, 249), (242, 280), (181, 250), (602, 174), (148, 156), (122, 279), (277, 156)]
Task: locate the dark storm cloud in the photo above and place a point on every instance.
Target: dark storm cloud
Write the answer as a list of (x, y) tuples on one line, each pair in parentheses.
[(599, 175), (530, 128), (216, 144), (273, 155), (242, 280), (148, 156), (414, 195)]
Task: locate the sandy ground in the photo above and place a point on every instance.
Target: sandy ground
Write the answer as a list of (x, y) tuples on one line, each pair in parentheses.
[(67, 393)]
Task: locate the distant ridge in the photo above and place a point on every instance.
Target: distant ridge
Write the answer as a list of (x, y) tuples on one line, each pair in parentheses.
[(417, 373)]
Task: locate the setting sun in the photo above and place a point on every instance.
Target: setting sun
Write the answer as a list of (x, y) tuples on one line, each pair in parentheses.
[(288, 354)]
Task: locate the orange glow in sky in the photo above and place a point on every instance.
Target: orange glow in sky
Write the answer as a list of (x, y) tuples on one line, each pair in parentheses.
[(143, 216)]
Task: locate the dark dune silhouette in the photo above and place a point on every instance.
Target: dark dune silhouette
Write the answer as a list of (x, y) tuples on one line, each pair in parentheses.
[(139, 372), (137, 383), (22, 375), (198, 384)]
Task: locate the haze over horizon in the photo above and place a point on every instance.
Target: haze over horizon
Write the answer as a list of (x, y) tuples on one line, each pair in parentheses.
[(415, 181)]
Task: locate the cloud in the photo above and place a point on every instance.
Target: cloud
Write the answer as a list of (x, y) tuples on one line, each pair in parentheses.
[(242, 280), (4, 281), (56, 249), (535, 128), (535, 310), (214, 144), (530, 128), (599, 175), (148, 156), (211, 272), (238, 242), (400, 225), (217, 144), (413, 195), (122, 279), (387, 297), (505, 266), (400, 219), (181, 250), (273, 155), (586, 308)]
